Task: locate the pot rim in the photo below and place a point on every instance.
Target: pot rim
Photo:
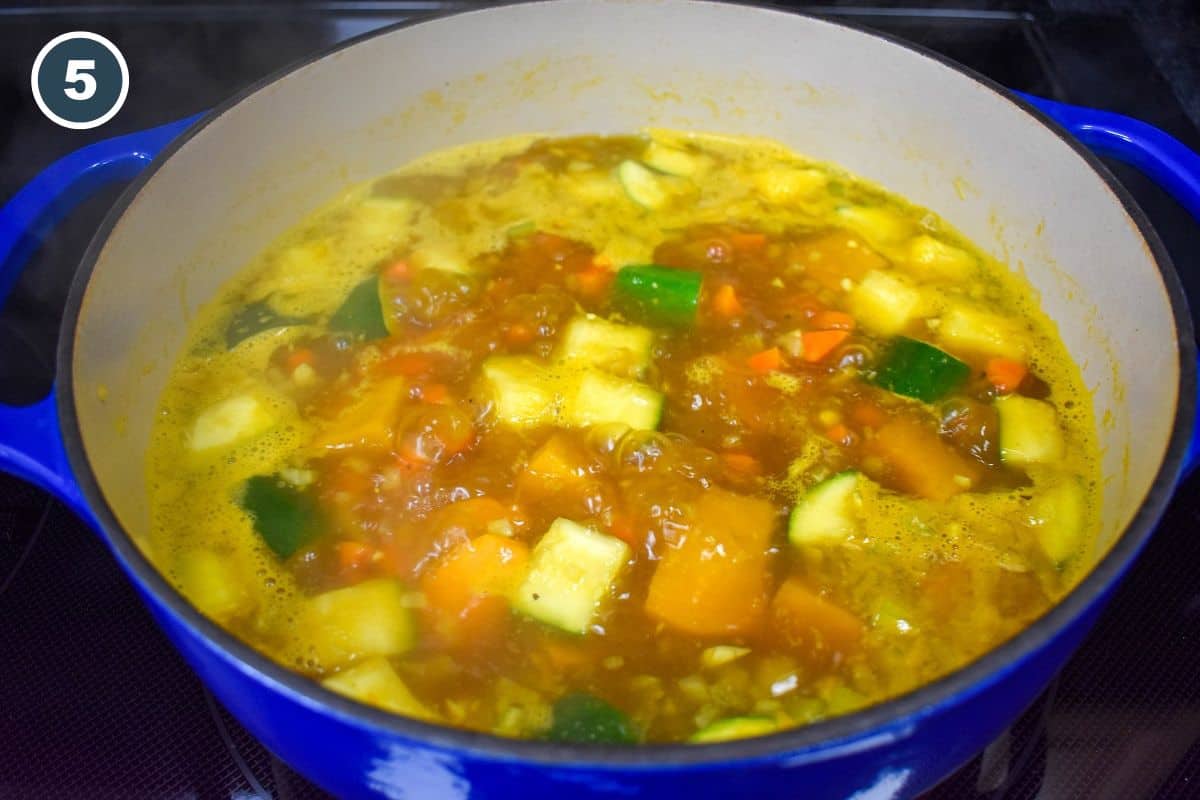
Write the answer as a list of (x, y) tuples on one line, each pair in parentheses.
[(875, 725)]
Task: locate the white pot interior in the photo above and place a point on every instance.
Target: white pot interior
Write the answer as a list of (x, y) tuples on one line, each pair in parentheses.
[(887, 113)]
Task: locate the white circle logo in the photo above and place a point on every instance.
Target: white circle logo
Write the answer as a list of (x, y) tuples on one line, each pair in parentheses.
[(80, 80)]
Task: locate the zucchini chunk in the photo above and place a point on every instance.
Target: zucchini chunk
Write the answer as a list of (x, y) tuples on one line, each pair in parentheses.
[(825, 512), (571, 572)]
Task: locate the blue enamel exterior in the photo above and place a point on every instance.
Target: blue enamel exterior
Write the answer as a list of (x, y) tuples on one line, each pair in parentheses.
[(356, 752), (1162, 157), (31, 446)]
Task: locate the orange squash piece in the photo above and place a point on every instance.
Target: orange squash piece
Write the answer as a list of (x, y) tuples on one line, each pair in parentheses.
[(713, 582), (917, 461), (466, 592), (824, 631), (559, 465), (830, 257), (368, 422)]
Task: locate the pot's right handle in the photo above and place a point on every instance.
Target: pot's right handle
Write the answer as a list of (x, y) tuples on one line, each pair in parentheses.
[(31, 443), (1159, 155)]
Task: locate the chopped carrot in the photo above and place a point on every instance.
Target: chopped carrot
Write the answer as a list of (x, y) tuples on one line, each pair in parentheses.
[(819, 344), (725, 301), (518, 334), (822, 630), (353, 555), (398, 271), (830, 320), (742, 463), (434, 393), (766, 361), (917, 461), (841, 434), (1005, 374), (603, 262), (713, 581), (747, 241), (301, 355), (466, 591), (592, 281)]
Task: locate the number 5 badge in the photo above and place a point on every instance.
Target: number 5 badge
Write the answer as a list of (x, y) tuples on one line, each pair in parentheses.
[(80, 80)]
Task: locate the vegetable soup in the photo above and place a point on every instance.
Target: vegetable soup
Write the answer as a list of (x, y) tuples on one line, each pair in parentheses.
[(667, 437)]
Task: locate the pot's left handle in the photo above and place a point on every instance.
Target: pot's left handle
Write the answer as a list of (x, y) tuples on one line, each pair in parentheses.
[(31, 443), (1154, 152)]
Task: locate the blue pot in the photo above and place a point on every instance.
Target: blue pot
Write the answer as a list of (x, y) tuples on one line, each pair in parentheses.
[(165, 242)]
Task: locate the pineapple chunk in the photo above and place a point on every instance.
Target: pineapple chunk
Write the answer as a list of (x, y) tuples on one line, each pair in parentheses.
[(374, 682), (930, 258), (879, 226), (968, 329), (783, 184), (367, 619), (232, 420), (213, 585), (671, 160), (884, 303)]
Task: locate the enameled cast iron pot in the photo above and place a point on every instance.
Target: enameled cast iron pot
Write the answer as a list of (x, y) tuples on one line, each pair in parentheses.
[(227, 183)]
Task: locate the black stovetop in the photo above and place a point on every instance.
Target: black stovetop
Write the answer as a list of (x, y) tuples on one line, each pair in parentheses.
[(93, 700)]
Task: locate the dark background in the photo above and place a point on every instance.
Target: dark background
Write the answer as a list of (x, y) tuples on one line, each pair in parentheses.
[(93, 701)]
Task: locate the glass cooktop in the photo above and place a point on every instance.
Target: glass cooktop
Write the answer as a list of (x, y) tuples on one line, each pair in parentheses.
[(95, 703)]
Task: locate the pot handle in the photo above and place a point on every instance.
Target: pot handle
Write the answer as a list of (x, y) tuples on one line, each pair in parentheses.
[(1160, 156), (31, 443)]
